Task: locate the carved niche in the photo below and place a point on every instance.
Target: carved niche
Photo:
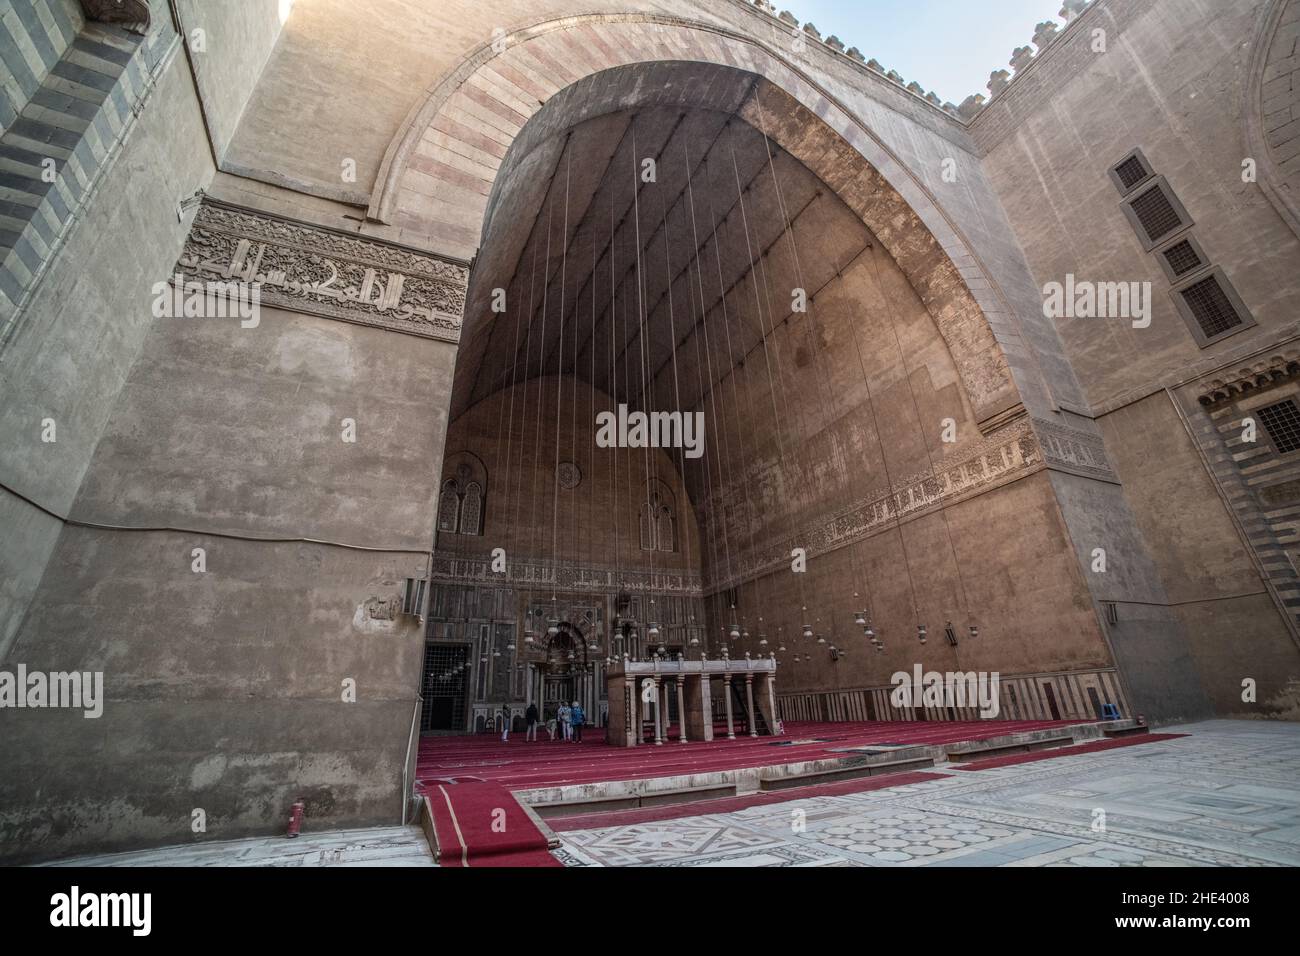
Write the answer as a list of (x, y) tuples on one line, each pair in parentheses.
[(133, 15)]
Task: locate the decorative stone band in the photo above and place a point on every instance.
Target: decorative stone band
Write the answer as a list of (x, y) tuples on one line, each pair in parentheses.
[(758, 665), (463, 570), (1244, 381), (1019, 448), (325, 272), (1073, 451), (1076, 695)]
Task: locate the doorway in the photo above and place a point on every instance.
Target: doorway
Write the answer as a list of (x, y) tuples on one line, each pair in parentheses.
[(445, 688)]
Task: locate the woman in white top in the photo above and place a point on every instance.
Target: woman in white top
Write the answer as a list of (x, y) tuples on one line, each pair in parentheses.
[(564, 715)]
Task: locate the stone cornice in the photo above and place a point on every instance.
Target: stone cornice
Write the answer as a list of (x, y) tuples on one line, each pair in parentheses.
[(1278, 367), (325, 272)]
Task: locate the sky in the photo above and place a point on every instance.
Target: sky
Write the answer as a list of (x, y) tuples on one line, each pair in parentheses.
[(948, 46)]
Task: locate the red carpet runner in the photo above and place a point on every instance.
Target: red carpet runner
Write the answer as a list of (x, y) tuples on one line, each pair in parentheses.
[(481, 824)]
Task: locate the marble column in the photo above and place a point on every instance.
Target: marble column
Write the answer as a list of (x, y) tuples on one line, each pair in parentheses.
[(659, 708), (726, 694), (749, 697), (771, 700), (681, 711)]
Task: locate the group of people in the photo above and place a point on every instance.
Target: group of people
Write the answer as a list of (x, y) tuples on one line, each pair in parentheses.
[(567, 725)]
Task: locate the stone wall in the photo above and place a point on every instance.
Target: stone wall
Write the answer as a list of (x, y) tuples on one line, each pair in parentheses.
[(1175, 81)]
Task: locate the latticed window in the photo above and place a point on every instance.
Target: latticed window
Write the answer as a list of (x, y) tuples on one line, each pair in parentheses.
[(1131, 172), (460, 504), (658, 520), (1156, 213), (1282, 422), (449, 507), (1183, 258), (471, 510), (1210, 307)]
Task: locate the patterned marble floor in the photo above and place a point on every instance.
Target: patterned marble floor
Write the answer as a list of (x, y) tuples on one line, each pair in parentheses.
[(377, 846), (1227, 796)]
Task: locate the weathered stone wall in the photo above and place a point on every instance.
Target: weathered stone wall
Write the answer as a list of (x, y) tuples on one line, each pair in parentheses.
[(208, 704), (228, 45), (1175, 81)]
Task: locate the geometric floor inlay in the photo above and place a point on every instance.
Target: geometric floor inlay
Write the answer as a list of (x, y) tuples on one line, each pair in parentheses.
[(1229, 795)]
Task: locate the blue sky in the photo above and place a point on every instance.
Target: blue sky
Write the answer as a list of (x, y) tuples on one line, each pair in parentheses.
[(948, 46)]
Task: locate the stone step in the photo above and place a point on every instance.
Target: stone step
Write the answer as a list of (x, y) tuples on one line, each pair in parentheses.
[(979, 750), (849, 771), (633, 801)]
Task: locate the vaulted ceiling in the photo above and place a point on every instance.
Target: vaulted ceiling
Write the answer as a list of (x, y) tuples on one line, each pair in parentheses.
[(608, 271)]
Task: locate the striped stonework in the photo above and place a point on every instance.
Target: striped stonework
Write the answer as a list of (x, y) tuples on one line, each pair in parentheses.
[(1261, 485), (66, 134), (34, 35), (1078, 695)]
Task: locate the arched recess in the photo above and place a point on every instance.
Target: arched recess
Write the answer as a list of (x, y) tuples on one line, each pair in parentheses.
[(441, 172), (1268, 114)]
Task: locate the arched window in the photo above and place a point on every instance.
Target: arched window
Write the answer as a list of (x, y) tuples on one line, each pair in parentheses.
[(647, 528), (449, 507), (471, 510), (461, 501), (665, 530), (658, 517)]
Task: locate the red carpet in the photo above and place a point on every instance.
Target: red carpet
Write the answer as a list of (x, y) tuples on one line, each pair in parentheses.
[(481, 824), (520, 764), (616, 818), (1088, 748), (468, 780)]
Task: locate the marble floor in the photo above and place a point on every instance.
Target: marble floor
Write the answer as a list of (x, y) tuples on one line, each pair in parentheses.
[(376, 846), (1227, 796)]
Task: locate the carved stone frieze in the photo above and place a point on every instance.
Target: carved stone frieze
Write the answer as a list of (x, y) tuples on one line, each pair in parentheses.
[(1009, 453), (465, 569), (1068, 449), (328, 273)]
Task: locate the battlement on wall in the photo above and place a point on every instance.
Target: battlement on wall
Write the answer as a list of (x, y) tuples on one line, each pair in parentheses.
[(1045, 35)]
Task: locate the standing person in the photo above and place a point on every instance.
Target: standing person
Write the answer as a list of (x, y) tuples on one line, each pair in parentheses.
[(563, 716), (530, 718), (578, 718), (505, 722)]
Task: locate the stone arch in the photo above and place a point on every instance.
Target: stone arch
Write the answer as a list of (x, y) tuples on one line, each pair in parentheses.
[(1270, 126), (439, 176)]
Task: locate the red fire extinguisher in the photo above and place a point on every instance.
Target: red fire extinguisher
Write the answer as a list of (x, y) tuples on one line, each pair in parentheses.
[(295, 818)]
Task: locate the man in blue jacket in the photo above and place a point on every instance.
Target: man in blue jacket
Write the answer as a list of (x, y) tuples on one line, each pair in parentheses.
[(578, 718)]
